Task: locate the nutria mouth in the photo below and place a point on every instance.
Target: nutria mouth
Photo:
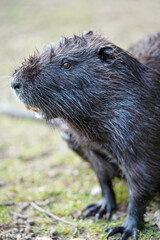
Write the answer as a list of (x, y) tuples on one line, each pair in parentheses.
[(40, 114), (32, 108)]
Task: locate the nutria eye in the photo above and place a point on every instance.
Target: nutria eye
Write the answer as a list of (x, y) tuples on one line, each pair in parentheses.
[(66, 65)]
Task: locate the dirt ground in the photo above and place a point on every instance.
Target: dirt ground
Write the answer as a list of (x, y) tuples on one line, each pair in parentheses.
[(36, 167)]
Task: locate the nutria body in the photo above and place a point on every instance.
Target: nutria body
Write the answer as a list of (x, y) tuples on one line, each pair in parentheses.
[(110, 102)]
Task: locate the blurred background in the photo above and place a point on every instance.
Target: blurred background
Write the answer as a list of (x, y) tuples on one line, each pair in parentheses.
[(35, 165)]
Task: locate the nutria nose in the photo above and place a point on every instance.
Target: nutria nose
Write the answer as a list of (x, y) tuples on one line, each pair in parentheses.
[(16, 85)]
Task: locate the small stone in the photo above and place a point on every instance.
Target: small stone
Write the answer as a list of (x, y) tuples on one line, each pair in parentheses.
[(21, 230), (76, 214), (32, 234), (27, 238), (20, 221), (28, 229), (43, 238), (96, 190), (75, 172), (77, 238), (18, 236), (53, 232), (16, 222), (31, 221), (15, 230)]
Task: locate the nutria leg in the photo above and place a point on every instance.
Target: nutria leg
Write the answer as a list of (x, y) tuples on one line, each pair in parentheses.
[(105, 206), (134, 221), (102, 167)]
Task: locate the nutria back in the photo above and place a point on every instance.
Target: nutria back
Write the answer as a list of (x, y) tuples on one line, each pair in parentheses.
[(147, 51)]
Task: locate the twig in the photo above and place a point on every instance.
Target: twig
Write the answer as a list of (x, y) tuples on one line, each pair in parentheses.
[(47, 201), (34, 205), (7, 204), (26, 205), (18, 215), (75, 232), (5, 232)]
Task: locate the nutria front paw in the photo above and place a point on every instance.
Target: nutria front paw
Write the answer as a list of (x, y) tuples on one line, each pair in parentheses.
[(103, 207), (125, 233)]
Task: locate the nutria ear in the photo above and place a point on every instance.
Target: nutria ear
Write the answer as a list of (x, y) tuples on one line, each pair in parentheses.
[(105, 53), (89, 33)]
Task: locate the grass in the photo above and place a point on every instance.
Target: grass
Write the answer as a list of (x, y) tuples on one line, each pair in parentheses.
[(51, 171)]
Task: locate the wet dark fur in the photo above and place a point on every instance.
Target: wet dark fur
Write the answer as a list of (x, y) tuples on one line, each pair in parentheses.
[(110, 101)]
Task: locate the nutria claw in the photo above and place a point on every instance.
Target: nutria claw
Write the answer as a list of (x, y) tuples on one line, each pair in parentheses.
[(99, 210), (126, 233)]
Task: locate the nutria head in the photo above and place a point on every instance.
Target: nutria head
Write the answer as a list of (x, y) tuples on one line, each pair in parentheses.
[(75, 78)]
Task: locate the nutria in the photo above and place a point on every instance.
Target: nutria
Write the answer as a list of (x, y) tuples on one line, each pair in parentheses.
[(110, 101)]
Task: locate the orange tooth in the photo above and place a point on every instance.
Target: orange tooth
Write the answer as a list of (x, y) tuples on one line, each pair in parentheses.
[(27, 107), (35, 110)]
